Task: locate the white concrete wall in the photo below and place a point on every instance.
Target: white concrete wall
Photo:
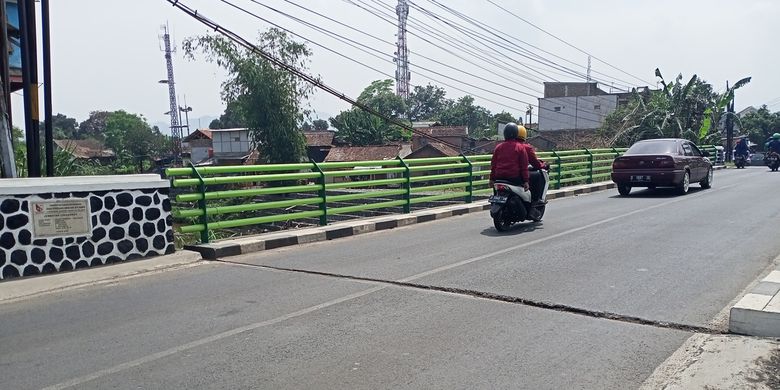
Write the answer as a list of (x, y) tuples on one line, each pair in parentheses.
[(235, 142), (575, 113)]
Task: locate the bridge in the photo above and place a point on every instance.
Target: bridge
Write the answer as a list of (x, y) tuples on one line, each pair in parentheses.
[(599, 295)]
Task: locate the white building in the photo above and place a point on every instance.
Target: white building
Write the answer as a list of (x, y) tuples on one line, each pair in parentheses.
[(578, 106), (231, 145)]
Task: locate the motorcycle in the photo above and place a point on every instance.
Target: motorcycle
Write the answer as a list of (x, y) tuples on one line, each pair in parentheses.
[(740, 161), (772, 160), (512, 204)]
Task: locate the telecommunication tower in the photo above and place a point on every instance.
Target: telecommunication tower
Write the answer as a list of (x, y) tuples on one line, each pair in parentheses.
[(402, 74), (175, 125)]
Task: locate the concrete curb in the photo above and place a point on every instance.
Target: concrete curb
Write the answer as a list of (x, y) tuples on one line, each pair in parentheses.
[(261, 242), (16, 289), (758, 312)]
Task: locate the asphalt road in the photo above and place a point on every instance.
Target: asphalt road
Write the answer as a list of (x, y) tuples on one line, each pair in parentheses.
[(673, 261)]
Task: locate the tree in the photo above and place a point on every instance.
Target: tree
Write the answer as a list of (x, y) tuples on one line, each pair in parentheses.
[(465, 113), (358, 127), (232, 118), (131, 134), (678, 109), (426, 103), (270, 99), (760, 125), (94, 127), (64, 127), (501, 117), (306, 126), (320, 125)]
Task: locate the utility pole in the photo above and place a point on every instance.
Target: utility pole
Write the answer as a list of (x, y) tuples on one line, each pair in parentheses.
[(47, 109), (30, 86), (729, 127), (6, 135), (175, 126), (402, 74)]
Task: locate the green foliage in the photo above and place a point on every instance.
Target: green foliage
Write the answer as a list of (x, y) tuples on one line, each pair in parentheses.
[(232, 118), (267, 99), (464, 112), (130, 134), (680, 109), (358, 127), (64, 127), (426, 103), (94, 127), (320, 124), (760, 125)]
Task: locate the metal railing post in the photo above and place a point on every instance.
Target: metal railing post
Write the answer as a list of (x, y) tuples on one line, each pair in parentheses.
[(558, 169), (407, 186), (204, 218), (470, 187), (590, 162), (322, 194)]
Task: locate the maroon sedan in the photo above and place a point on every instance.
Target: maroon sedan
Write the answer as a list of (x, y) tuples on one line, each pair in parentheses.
[(662, 163)]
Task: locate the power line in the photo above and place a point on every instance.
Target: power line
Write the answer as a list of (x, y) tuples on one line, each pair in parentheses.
[(447, 41), (535, 56), (325, 31), (295, 71), (567, 43), (367, 50)]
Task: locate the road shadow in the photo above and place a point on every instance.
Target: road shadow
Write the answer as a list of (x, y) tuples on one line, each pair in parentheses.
[(520, 228), (658, 193)]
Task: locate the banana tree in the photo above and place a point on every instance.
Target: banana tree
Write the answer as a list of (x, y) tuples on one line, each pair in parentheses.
[(713, 114)]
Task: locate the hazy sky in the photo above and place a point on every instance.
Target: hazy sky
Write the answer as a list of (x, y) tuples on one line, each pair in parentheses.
[(106, 54)]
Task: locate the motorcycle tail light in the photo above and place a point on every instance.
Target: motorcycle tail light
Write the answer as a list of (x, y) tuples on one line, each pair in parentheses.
[(501, 187)]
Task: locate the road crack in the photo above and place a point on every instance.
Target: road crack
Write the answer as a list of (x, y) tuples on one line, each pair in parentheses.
[(559, 307)]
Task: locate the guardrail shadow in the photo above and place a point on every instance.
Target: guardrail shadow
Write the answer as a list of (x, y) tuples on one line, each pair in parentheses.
[(520, 228)]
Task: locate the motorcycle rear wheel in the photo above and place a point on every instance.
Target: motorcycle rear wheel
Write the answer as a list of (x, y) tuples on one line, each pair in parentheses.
[(500, 223)]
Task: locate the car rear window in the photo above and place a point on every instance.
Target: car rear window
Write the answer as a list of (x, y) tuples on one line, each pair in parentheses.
[(653, 147)]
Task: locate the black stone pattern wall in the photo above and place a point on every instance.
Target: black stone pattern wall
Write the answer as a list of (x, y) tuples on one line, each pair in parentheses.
[(126, 225)]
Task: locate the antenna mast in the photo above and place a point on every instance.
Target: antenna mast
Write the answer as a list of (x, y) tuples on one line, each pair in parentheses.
[(174, 107), (402, 74)]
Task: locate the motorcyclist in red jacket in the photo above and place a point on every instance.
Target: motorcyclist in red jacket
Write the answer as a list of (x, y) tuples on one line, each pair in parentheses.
[(511, 159)]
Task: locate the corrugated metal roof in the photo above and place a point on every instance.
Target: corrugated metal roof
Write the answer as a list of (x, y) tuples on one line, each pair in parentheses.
[(84, 148), (363, 153), (319, 138)]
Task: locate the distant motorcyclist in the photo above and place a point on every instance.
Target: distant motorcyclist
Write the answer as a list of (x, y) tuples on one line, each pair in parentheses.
[(774, 144), (742, 148), (511, 159)]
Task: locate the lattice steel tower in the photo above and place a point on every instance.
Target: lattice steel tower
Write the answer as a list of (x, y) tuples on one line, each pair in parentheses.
[(175, 125), (402, 74)]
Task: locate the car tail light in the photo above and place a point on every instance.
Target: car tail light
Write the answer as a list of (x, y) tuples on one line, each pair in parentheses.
[(666, 162), (619, 164)]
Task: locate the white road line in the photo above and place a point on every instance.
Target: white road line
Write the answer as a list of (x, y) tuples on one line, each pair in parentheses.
[(206, 340), (219, 336)]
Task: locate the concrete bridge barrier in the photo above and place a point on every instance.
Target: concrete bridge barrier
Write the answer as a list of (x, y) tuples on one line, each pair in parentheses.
[(64, 223)]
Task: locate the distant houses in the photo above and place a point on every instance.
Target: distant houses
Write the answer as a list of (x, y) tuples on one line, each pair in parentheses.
[(234, 146), (85, 149)]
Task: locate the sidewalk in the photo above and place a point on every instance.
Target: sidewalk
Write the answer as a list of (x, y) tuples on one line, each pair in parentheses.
[(758, 312), (22, 288)]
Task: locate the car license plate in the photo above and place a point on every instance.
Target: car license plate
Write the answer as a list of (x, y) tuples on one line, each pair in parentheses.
[(497, 199), (640, 178)]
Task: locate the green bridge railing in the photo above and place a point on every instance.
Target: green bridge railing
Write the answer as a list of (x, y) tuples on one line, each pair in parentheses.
[(227, 197)]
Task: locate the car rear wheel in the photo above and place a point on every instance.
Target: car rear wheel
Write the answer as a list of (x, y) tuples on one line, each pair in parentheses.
[(707, 182), (624, 189), (683, 187)]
